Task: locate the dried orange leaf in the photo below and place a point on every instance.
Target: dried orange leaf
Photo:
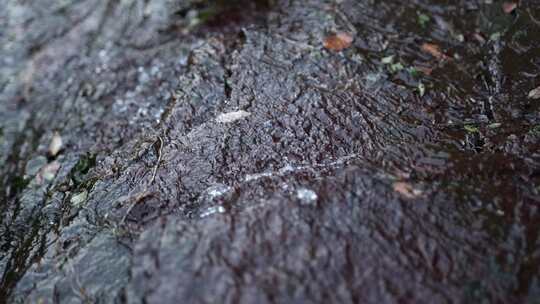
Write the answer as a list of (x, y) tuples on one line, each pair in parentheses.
[(508, 7), (338, 42), (434, 50), (406, 190), (535, 93)]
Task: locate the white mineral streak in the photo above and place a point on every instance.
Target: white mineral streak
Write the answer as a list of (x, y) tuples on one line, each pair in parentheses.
[(212, 210), (217, 191), (232, 116), (287, 169), (306, 196)]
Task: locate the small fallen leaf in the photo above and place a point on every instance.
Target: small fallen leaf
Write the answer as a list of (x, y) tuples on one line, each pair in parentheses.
[(232, 116), (508, 7), (78, 199), (338, 41), (406, 190), (471, 129), (495, 36), (396, 67), (56, 144), (421, 89), (423, 19), (434, 50), (534, 94), (387, 59)]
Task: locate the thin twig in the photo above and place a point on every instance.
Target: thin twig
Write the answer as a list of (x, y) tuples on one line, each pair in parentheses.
[(159, 159), (136, 198), (532, 17), (300, 44)]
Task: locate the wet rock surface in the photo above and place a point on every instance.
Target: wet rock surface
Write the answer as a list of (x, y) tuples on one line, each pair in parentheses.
[(219, 153)]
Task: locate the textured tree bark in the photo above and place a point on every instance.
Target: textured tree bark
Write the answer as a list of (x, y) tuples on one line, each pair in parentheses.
[(209, 152)]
